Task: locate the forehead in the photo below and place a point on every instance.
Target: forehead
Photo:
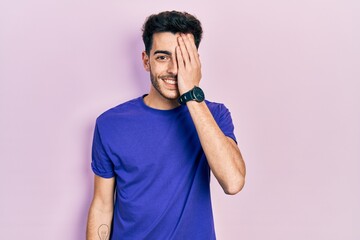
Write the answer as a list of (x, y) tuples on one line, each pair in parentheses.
[(164, 41)]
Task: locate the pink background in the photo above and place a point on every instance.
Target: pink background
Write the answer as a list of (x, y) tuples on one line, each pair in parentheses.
[(289, 71)]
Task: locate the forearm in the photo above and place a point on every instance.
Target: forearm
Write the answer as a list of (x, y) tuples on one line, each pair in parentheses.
[(99, 222), (223, 155)]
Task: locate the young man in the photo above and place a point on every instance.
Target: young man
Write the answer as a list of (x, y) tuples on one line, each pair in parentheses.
[(157, 150)]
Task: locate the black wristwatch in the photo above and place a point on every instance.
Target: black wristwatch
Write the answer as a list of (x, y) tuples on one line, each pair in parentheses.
[(196, 94)]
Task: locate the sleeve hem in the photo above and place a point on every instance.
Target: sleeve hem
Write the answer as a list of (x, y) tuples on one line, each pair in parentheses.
[(232, 137), (103, 174)]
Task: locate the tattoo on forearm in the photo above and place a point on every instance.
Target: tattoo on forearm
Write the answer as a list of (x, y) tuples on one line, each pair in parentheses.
[(103, 232)]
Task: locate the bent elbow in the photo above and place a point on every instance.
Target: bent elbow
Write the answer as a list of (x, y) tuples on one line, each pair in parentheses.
[(236, 187)]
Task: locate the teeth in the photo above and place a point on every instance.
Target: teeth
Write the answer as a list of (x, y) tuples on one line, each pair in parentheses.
[(170, 81)]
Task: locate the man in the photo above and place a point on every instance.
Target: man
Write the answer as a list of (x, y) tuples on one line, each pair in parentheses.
[(157, 150)]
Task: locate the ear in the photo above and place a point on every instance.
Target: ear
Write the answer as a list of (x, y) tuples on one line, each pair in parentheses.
[(146, 61)]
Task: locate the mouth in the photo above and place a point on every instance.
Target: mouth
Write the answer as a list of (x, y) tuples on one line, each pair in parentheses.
[(170, 80)]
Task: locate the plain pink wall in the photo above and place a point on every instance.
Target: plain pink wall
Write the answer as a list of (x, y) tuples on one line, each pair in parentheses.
[(288, 70)]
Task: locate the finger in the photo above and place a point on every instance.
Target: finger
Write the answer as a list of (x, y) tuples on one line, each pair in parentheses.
[(179, 58), (189, 43), (183, 50), (195, 54)]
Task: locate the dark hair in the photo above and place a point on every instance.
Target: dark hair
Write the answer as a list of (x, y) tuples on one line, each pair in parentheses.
[(174, 22)]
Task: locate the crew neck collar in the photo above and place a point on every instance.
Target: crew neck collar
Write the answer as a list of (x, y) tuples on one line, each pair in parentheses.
[(155, 110)]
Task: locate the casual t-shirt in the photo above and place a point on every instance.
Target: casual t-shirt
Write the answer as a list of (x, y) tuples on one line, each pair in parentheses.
[(162, 175)]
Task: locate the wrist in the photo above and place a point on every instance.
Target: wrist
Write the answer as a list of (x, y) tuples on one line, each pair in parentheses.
[(195, 94)]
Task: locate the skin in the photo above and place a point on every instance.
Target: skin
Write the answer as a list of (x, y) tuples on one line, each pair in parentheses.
[(101, 209), (175, 68), (175, 56)]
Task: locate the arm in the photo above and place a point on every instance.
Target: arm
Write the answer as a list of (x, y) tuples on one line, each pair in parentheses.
[(101, 209), (222, 153)]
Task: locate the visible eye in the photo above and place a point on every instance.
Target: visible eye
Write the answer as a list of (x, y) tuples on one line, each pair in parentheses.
[(162, 57)]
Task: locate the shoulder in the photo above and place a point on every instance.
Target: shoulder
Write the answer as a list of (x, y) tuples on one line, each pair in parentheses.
[(216, 108), (119, 111)]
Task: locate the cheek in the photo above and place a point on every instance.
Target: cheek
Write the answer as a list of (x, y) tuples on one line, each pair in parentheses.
[(157, 68)]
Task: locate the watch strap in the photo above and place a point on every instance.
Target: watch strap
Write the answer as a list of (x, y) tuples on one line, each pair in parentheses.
[(194, 94), (188, 96)]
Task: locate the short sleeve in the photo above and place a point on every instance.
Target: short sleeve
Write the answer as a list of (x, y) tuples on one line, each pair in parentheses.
[(225, 123), (101, 163)]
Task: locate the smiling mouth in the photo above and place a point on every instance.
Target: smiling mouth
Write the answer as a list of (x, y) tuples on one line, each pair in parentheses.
[(170, 81)]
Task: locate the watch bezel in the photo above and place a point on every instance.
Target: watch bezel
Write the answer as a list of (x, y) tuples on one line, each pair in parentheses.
[(198, 94), (195, 94)]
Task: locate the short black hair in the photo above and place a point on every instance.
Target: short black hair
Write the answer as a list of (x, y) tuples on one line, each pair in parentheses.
[(171, 21)]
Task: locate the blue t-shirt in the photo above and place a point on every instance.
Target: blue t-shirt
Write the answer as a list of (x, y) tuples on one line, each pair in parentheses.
[(162, 175)]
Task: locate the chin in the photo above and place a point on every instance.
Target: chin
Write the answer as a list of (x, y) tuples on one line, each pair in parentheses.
[(171, 97), (170, 94)]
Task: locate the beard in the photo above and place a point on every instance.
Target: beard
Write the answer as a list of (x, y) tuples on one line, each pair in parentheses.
[(155, 82)]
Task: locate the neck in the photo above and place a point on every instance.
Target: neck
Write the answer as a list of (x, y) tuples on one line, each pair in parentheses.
[(156, 101)]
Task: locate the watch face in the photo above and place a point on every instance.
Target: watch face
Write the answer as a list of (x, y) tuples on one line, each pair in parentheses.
[(198, 94)]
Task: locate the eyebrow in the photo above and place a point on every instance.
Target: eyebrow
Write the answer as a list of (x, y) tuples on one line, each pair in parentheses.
[(162, 52)]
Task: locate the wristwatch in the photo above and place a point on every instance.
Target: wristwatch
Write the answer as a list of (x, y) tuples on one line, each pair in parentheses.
[(196, 94)]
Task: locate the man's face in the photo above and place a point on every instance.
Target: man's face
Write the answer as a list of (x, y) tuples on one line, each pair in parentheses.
[(162, 65)]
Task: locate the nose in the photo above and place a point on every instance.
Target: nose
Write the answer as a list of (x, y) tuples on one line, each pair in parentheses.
[(172, 67)]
